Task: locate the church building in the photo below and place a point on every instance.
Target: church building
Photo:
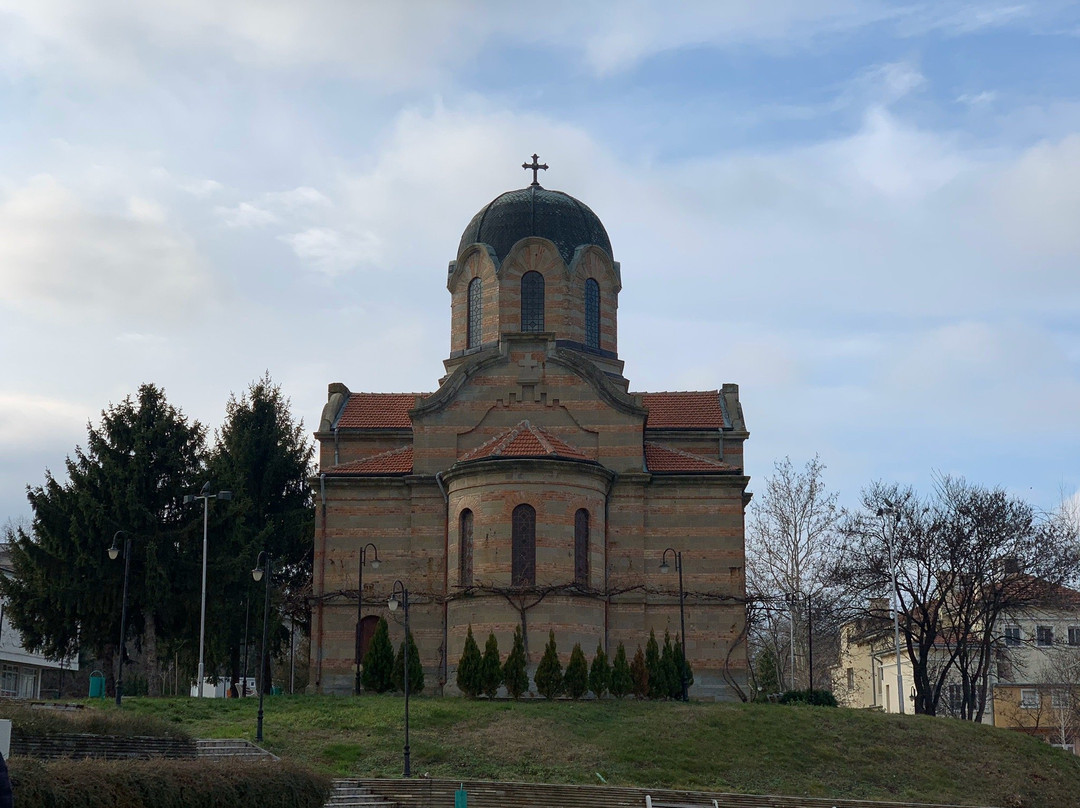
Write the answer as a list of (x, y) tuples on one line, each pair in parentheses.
[(532, 488)]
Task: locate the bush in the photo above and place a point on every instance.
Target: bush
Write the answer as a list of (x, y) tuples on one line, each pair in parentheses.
[(816, 698), (490, 668), (416, 670), (600, 673), (639, 675), (379, 661), (164, 782), (621, 680), (548, 677), (37, 723), (657, 681), (468, 669), (682, 665), (669, 667), (576, 680), (515, 673)]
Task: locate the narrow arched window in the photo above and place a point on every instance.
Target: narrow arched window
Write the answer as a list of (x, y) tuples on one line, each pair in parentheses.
[(465, 548), (532, 302), (581, 547), (523, 547), (592, 314), (474, 332)]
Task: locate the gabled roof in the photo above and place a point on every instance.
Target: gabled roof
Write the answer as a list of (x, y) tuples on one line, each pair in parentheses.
[(395, 461), (693, 409), (525, 440), (377, 411), (661, 459)]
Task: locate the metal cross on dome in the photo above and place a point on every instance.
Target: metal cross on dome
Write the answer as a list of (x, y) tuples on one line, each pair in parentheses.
[(535, 166)]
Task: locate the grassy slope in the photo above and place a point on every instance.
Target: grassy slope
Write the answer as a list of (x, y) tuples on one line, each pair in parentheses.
[(742, 748)]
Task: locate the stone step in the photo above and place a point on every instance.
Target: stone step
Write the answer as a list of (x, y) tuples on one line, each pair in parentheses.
[(230, 748), (349, 793)]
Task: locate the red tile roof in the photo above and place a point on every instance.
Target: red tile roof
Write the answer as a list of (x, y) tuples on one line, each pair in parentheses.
[(684, 410), (396, 461), (378, 411), (666, 459), (525, 440)]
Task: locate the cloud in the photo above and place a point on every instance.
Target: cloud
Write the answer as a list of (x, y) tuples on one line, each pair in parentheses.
[(245, 215), (27, 420), (66, 258), (333, 252)]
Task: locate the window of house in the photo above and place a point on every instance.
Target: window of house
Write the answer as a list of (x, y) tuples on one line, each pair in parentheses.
[(955, 697), (1012, 636), (850, 678), (523, 546), (474, 332), (592, 314), (1059, 698), (9, 681), (1074, 635), (532, 302), (1044, 635), (1029, 698), (465, 547), (581, 547)]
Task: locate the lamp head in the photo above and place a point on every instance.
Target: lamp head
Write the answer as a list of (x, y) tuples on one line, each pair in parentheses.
[(114, 551), (392, 604), (375, 563), (189, 498), (205, 489), (225, 495), (257, 574), (664, 566)]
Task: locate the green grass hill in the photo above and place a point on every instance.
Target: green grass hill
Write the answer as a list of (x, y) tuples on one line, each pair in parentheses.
[(749, 748)]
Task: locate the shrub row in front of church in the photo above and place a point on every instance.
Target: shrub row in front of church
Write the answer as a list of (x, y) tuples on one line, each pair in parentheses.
[(654, 673), (164, 782)]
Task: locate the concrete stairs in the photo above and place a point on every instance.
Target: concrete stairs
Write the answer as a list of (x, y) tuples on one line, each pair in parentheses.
[(349, 793), (231, 748)]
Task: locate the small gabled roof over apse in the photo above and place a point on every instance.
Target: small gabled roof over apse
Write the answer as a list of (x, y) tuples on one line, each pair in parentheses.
[(524, 440)]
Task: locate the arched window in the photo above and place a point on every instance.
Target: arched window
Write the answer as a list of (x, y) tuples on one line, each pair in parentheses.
[(465, 548), (523, 547), (532, 302), (474, 332), (581, 547), (592, 314)]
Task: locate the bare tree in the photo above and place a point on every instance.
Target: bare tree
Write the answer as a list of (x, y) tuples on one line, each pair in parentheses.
[(791, 537)]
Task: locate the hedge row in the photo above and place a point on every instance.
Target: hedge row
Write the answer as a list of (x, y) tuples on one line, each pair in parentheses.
[(39, 722), (164, 784)]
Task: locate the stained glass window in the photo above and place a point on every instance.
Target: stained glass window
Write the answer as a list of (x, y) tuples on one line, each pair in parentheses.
[(465, 548), (523, 549), (474, 332), (532, 302), (592, 314), (581, 547)]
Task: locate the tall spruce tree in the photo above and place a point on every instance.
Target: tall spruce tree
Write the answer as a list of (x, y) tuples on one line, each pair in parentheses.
[(600, 673), (657, 685), (468, 670), (65, 592), (576, 678), (416, 670), (548, 676), (515, 670), (264, 457), (378, 673), (621, 680), (490, 668)]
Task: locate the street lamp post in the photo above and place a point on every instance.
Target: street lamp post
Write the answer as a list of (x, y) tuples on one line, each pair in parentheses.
[(665, 567), (894, 512), (205, 496), (114, 551), (263, 566), (392, 605), (360, 600)]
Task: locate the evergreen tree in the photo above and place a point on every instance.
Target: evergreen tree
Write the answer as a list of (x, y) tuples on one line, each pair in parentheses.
[(379, 661), (639, 675), (671, 683), (416, 670), (621, 680), (548, 677), (468, 670), (576, 680), (490, 668), (657, 685), (767, 674), (515, 671), (65, 592), (600, 673), (683, 667)]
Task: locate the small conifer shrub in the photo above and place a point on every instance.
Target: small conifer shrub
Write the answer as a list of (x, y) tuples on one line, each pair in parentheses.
[(600, 673), (490, 668), (548, 677), (468, 670), (576, 678), (515, 671)]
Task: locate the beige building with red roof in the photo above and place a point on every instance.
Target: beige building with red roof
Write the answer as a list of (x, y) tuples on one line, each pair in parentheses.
[(532, 488)]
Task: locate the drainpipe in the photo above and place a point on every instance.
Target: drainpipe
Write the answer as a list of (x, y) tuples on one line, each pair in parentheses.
[(446, 581)]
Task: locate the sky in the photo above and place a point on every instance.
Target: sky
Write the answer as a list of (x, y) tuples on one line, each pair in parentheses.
[(866, 214)]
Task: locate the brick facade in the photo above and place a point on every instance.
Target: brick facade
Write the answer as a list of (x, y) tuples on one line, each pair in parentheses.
[(538, 419)]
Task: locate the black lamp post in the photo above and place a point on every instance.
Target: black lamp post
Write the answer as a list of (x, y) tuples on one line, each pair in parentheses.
[(665, 567), (257, 574), (114, 551), (393, 604), (360, 600)]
